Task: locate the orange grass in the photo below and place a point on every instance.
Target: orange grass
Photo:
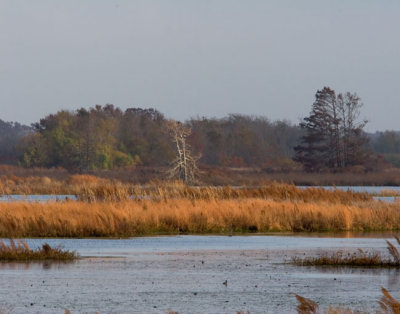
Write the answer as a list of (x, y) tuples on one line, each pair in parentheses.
[(173, 216), (388, 305), (116, 191), (276, 191), (358, 258), (19, 251), (91, 188)]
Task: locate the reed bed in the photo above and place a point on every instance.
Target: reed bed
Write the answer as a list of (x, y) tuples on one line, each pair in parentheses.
[(18, 250), (177, 190), (388, 305), (90, 188), (389, 192), (174, 216), (70, 184), (213, 175), (359, 258)]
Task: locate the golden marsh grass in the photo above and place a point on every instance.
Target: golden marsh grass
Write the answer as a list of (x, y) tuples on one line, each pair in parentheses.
[(388, 305), (18, 250), (358, 258), (91, 188), (173, 216), (177, 190)]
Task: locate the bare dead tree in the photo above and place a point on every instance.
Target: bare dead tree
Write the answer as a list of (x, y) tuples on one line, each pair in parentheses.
[(184, 166), (353, 139)]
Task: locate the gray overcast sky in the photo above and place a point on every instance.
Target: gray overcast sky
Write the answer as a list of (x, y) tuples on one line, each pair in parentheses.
[(207, 58)]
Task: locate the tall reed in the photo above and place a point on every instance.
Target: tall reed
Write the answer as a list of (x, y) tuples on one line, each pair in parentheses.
[(91, 188), (173, 216), (18, 250), (274, 190), (388, 305), (358, 258)]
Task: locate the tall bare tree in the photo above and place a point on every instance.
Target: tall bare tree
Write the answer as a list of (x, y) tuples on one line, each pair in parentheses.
[(184, 166), (351, 128)]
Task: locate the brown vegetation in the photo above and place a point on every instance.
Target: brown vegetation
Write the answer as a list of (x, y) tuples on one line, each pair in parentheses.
[(20, 251), (359, 258), (274, 191), (172, 207), (173, 216), (388, 305), (17, 180), (92, 188)]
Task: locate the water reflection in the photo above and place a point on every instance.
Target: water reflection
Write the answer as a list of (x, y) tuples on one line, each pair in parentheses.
[(35, 265), (341, 234), (346, 270), (187, 272), (392, 274), (37, 198)]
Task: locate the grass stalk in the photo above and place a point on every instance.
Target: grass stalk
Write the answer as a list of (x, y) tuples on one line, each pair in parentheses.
[(359, 258), (184, 216), (18, 250), (387, 303)]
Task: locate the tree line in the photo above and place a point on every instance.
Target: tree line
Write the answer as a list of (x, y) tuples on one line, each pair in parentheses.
[(105, 137), (330, 138)]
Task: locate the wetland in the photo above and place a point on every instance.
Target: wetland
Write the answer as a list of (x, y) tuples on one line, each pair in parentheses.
[(186, 274)]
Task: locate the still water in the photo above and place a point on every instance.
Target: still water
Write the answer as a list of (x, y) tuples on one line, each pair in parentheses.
[(36, 198), (186, 274)]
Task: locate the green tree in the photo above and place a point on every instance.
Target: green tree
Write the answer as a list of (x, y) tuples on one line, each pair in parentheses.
[(334, 136)]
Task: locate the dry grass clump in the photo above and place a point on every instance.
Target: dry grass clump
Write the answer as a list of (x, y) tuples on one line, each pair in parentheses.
[(359, 258), (111, 193), (91, 188), (174, 216), (69, 184), (389, 192), (275, 191), (19, 250), (12, 184), (306, 306), (84, 180), (388, 305)]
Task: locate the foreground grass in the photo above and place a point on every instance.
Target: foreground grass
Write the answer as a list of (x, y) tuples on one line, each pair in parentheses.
[(387, 303), (359, 258), (20, 251), (173, 216)]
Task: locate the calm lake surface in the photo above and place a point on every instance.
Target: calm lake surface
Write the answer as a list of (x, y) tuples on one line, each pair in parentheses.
[(186, 274)]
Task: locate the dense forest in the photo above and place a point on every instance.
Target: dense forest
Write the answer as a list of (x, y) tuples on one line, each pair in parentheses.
[(11, 135), (106, 137)]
